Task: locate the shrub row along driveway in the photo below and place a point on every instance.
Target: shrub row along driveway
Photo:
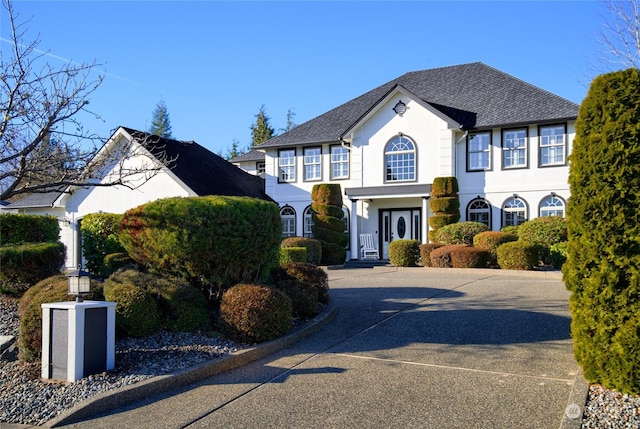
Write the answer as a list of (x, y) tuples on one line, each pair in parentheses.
[(410, 347)]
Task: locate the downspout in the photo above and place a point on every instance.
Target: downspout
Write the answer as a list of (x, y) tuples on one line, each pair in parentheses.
[(455, 147)]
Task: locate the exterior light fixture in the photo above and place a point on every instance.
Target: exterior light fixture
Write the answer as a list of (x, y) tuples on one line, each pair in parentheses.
[(400, 108), (79, 283)]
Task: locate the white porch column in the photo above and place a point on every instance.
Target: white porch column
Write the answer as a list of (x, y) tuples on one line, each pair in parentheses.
[(425, 220), (353, 228)]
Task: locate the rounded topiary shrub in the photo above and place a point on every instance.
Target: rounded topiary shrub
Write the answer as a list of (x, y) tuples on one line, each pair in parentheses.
[(52, 289), (441, 257), (313, 246), (546, 230), (115, 261), (460, 232), (137, 311), (510, 229), (99, 239), (219, 240), (491, 240), (425, 253), (31, 262), (404, 253), (303, 295), (328, 224), (518, 255), (558, 254), (469, 257), (183, 308), (292, 254), (603, 259), (255, 313), (311, 274)]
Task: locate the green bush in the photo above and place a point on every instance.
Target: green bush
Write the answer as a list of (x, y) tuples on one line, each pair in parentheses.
[(303, 295), (438, 221), (137, 311), (22, 228), (311, 274), (511, 229), (444, 187), (518, 255), (292, 254), (469, 257), (99, 239), (218, 240), (441, 257), (558, 254), (425, 252), (460, 233), (328, 225), (547, 230), (490, 241), (313, 246), (445, 205), (52, 289), (603, 221), (404, 253), (115, 261), (31, 262), (255, 313)]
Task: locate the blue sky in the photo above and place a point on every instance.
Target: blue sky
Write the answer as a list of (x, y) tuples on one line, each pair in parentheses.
[(215, 63)]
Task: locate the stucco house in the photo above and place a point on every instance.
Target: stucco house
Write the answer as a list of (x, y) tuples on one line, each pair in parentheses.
[(165, 168), (506, 141)]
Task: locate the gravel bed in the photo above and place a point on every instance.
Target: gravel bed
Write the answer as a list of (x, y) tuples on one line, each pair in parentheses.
[(26, 398)]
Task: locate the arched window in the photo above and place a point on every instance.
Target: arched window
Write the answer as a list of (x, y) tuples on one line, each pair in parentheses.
[(479, 210), (307, 223), (514, 212), (400, 160), (552, 206), (288, 216), (345, 219)]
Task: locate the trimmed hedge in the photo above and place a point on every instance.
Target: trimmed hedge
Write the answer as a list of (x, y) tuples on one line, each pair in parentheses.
[(31, 262), (219, 240), (314, 247), (547, 230), (255, 313), (444, 203), (459, 233), (518, 255), (441, 257), (404, 253), (425, 252), (292, 254), (491, 240), (99, 239), (469, 257), (137, 312), (558, 254), (21, 228), (328, 225), (52, 289)]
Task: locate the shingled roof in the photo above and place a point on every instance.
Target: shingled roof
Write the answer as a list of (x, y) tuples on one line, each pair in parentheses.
[(200, 169), (474, 95)]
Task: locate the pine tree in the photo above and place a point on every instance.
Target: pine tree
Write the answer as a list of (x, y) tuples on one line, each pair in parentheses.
[(160, 123), (603, 221), (261, 130)]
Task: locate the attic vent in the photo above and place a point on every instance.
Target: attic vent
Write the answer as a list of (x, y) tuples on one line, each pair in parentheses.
[(400, 108)]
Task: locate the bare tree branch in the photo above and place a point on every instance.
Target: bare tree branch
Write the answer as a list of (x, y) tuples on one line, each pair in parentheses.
[(43, 145), (621, 34)]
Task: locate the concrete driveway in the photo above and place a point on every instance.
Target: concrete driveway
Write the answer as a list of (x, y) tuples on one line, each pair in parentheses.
[(410, 347)]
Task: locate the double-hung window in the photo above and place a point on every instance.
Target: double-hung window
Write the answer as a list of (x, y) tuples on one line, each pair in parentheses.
[(479, 151), (400, 160), (312, 163), (514, 148), (339, 162), (288, 217), (287, 165), (552, 145)]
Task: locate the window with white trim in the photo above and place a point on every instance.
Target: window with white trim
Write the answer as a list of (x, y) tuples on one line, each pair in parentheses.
[(514, 212), (312, 163), (479, 151), (400, 160), (287, 165), (339, 162), (552, 145), (288, 216), (260, 167), (479, 210), (552, 206), (514, 148), (307, 223)]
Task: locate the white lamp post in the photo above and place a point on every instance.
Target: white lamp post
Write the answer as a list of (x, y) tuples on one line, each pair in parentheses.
[(79, 284)]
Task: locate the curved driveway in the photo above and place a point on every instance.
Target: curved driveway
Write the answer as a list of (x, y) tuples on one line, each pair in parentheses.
[(409, 348)]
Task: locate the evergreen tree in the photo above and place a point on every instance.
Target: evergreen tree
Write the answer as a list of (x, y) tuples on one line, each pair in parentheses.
[(261, 130), (234, 150), (290, 117), (603, 221), (160, 124)]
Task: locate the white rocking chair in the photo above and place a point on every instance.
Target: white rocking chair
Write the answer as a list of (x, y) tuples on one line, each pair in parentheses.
[(368, 249)]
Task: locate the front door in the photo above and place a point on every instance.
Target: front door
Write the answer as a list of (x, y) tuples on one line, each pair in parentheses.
[(399, 225)]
